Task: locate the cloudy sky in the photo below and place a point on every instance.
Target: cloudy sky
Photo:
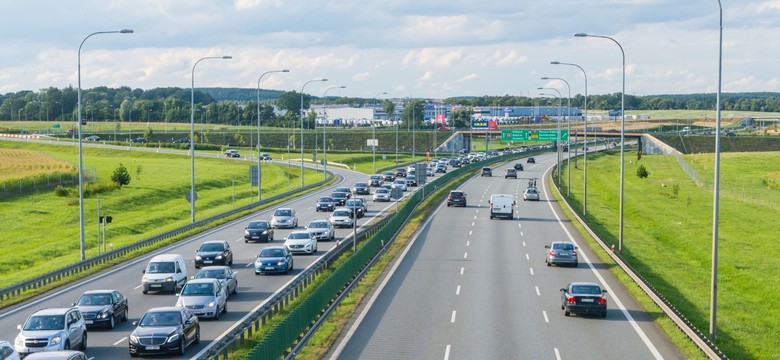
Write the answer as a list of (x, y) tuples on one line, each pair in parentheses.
[(423, 48)]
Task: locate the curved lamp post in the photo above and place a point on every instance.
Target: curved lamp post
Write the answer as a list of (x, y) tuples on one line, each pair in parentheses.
[(558, 137), (622, 134), (192, 133), (568, 129), (585, 136), (302, 113), (259, 160), (373, 130), (325, 132), (81, 155), (716, 190)]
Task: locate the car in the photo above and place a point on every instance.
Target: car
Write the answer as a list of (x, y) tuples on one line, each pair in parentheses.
[(381, 194), (389, 176), (399, 173), (429, 171), (54, 355), (456, 197), (502, 206), (321, 230), (376, 180), (531, 194), (518, 166), (583, 298), (52, 329), (560, 252), (214, 252), (356, 206), (342, 218), (345, 190), (7, 351), (362, 203), (284, 218), (339, 198), (510, 173), (410, 169), (301, 242), (531, 160), (325, 203), (265, 157), (361, 188), (273, 259), (164, 330), (441, 167), (165, 272), (400, 183), (139, 140), (232, 153), (411, 180), (259, 230), (388, 186), (102, 307), (224, 274), (204, 297), (182, 141), (486, 171), (455, 163), (92, 138)]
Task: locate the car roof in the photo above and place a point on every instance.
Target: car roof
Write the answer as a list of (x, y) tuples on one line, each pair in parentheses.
[(214, 267), (584, 283), (52, 311), (273, 247), (562, 242), (165, 257), (214, 242), (202, 280), (168, 308), (319, 220), (99, 291), (299, 232)]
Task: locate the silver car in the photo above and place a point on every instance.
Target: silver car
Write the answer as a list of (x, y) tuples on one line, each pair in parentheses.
[(381, 194), (224, 274), (203, 297), (301, 242), (52, 330), (284, 218), (342, 218), (561, 252), (322, 230), (531, 194)]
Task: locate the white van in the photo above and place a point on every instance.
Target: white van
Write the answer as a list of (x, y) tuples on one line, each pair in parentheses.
[(502, 206), (166, 272)]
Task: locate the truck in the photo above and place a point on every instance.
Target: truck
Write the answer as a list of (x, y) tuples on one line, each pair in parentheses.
[(502, 206)]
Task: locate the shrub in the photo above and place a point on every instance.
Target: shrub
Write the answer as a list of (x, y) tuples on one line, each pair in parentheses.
[(61, 191), (642, 172), (121, 177)]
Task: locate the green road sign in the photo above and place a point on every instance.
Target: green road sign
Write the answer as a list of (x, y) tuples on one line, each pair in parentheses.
[(549, 135), (514, 135), (56, 126)]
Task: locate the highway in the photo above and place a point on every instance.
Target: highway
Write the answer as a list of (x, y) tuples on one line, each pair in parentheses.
[(253, 289), (468, 287)]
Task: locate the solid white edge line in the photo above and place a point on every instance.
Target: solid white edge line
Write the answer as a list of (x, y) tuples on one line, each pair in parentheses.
[(634, 325), (120, 341)]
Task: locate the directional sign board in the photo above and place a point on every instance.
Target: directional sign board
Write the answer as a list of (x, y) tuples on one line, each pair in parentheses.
[(549, 135), (533, 135), (514, 135)]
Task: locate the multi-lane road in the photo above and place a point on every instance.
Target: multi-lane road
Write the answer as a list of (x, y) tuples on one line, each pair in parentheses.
[(473, 288)]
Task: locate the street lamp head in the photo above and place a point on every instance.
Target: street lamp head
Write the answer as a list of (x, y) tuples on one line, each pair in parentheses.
[(555, 62), (540, 88), (126, 31), (227, 57), (581, 35), (323, 79), (285, 70), (545, 78)]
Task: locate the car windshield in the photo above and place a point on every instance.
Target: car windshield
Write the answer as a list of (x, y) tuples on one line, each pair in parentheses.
[(376, 177), (318, 225), (45, 322), (211, 247), (563, 247), (531, 191), (586, 290), (351, 203), (283, 212), (271, 253), (456, 194), (399, 182), (339, 195), (361, 184), (298, 236), (161, 268), (342, 189), (325, 199), (171, 318), (258, 225), (382, 191), (198, 289), (211, 274), (341, 213), (94, 299)]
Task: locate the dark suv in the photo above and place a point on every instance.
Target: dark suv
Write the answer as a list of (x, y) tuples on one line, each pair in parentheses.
[(510, 173), (456, 197), (486, 171)]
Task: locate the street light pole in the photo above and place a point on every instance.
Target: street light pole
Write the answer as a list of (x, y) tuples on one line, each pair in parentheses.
[(558, 137), (81, 153), (192, 134), (622, 134), (716, 190), (373, 130), (325, 131), (568, 129), (259, 160), (585, 136), (302, 113)]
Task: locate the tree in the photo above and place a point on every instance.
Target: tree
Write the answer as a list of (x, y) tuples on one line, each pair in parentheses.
[(121, 177), (413, 114), (389, 107), (461, 117)]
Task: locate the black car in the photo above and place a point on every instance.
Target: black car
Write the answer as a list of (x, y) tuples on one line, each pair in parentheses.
[(260, 230), (182, 141), (325, 203), (215, 252), (518, 166), (531, 160), (510, 173), (441, 167), (456, 197), (389, 176), (361, 188), (583, 298), (356, 206), (376, 180), (345, 190), (400, 173), (339, 198), (486, 171), (139, 140), (102, 307), (164, 330)]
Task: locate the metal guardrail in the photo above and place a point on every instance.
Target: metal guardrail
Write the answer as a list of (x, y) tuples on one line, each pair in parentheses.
[(65, 272), (686, 326)]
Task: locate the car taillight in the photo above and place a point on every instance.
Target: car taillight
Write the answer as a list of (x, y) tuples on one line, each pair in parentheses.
[(602, 300), (552, 252), (573, 253), (571, 300)]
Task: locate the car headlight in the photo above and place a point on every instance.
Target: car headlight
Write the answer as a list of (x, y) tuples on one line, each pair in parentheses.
[(179, 303), (169, 279), (173, 338), (55, 340), (197, 257), (246, 232), (218, 257), (280, 262), (19, 340), (211, 304), (134, 338), (102, 315), (265, 232), (143, 279)]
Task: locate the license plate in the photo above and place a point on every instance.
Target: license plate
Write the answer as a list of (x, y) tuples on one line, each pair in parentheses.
[(156, 285), (88, 322), (155, 347), (269, 267), (587, 300), (207, 261)]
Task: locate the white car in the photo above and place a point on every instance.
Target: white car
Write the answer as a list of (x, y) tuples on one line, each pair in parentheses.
[(7, 351), (284, 218), (381, 194), (321, 230), (342, 217), (301, 242), (52, 329), (531, 194), (429, 172), (204, 297), (400, 183)]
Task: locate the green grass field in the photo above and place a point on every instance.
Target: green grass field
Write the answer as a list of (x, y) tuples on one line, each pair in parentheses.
[(668, 239)]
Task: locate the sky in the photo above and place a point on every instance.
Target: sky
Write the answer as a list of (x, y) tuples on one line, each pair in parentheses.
[(422, 49)]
